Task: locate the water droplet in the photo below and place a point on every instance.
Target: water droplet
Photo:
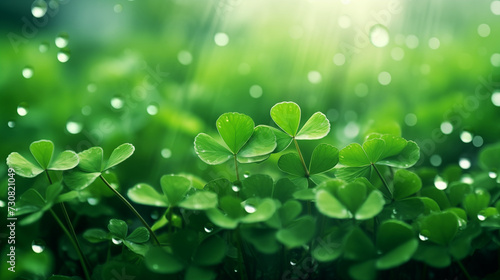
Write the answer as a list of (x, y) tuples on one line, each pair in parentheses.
[(495, 98), (467, 179), (250, 208), (155, 215), (117, 102), (11, 124), (446, 128), (22, 109), (483, 30), (397, 53), (185, 57), (477, 141), (434, 43), (116, 241), (38, 245), (411, 41), (221, 39), (495, 7), (440, 183), (466, 136), (411, 119), (62, 40), (86, 110), (492, 175), (384, 78), (74, 127), (255, 91), (44, 47), (39, 8), (344, 21), (379, 36), (118, 8), (93, 200), (2, 203), (314, 77), (208, 228), (246, 174), (339, 59), (423, 237), (63, 55), (166, 153), (464, 163), (495, 59), (235, 188), (152, 109), (481, 217), (28, 72), (293, 262)]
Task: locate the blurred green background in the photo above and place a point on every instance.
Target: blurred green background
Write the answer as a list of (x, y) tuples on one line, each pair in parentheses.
[(156, 73)]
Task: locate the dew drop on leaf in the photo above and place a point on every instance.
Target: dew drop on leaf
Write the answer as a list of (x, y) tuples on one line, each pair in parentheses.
[(38, 245), (74, 127), (440, 183), (117, 102), (11, 124), (28, 72), (423, 237), (63, 55), (166, 153), (2, 203), (481, 217), (39, 8), (152, 109), (249, 208), (235, 188), (492, 175), (93, 200), (293, 262), (154, 215), (246, 174), (116, 241), (464, 163), (379, 36), (208, 228), (44, 47)]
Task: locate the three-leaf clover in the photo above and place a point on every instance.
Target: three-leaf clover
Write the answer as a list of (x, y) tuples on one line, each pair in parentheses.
[(242, 141), (42, 151), (118, 234), (92, 165), (33, 203)]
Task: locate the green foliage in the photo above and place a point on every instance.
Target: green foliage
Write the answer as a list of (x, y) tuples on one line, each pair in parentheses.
[(369, 216)]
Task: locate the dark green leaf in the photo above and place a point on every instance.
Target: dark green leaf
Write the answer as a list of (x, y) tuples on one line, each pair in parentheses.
[(284, 190), (210, 252), (263, 239), (330, 206), (358, 246), (199, 273), (160, 261), (475, 202), (118, 228), (405, 183), (329, 247), (371, 207), (396, 240), (298, 232), (290, 163), (440, 227), (95, 235), (139, 235), (435, 256), (258, 185)]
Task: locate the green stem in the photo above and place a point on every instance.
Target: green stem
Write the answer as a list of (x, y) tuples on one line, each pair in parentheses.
[(383, 180), (125, 201), (464, 270), (70, 225), (241, 262), (236, 168), (78, 251), (301, 157)]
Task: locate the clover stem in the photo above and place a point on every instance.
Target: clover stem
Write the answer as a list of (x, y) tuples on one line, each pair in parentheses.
[(125, 201), (70, 225), (464, 270), (236, 167), (78, 250), (301, 157), (383, 180), (241, 261)]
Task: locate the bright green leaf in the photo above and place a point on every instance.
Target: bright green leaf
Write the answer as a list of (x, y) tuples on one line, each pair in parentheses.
[(91, 160), (330, 206), (53, 191), (200, 200), (475, 202), (219, 219), (284, 190), (175, 188), (371, 207), (77, 180), (118, 228), (398, 255), (289, 211), (235, 129), (393, 233), (406, 158), (287, 116), (120, 154), (353, 155), (64, 161), (42, 151), (440, 228), (351, 195), (283, 140), (147, 195), (262, 142), (22, 166), (324, 158), (258, 185), (210, 151), (374, 148), (316, 127), (263, 211)]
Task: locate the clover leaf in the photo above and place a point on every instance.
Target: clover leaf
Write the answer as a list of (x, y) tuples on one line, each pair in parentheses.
[(390, 150), (33, 203), (42, 151), (242, 140), (92, 165), (118, 233), (488, 158)]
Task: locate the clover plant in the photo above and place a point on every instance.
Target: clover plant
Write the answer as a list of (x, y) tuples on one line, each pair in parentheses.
[(366, 211)]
